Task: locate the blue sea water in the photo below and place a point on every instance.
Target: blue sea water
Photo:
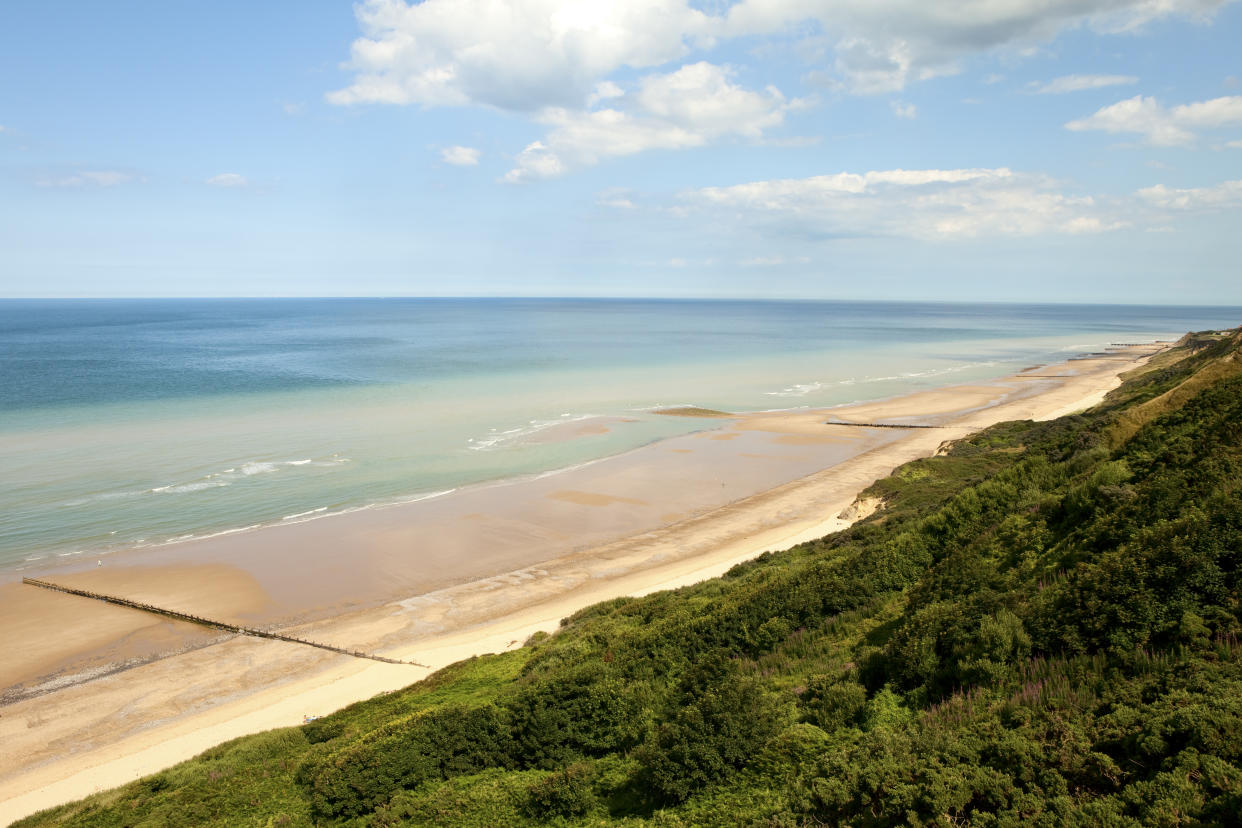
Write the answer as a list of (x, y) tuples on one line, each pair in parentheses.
[(127, 423)]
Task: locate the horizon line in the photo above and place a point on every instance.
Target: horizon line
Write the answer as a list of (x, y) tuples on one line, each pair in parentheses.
[(570, 297)]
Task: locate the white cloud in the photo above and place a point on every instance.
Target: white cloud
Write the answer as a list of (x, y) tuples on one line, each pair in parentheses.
[(691, 107), (570, 63), (882, 45), (616, 197), (1234, 144), (1226, 195), (580, 139), (701, 97), (1160, 126), (518, 55), (921, 204), (228, 180), (1214, 113), (460, 156), (1078, 83), (907, 111), (604, 91), (871, 68), (95, 178), (527, 55)]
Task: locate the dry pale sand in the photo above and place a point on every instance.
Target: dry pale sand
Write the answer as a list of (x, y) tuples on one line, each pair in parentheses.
[(650, 520)]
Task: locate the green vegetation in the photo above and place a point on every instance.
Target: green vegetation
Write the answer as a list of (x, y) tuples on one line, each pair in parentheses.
[(1040, 628)]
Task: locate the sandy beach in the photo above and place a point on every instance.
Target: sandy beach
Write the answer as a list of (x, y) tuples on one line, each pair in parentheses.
[(98, 695)]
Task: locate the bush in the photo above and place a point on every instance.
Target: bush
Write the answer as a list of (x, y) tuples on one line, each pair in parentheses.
[(564, 793)]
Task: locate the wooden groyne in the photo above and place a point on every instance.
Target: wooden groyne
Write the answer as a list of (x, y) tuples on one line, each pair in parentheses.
[(877, 425), (209, 622), (1105, 357)]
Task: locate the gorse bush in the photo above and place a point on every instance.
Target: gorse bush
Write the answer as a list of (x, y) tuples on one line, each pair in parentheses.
[(1040, 627)]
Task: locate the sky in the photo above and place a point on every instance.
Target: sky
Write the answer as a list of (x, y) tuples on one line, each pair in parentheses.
[(999, 150)]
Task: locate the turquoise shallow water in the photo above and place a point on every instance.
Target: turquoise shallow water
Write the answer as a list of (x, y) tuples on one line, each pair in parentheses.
[(133, 422)]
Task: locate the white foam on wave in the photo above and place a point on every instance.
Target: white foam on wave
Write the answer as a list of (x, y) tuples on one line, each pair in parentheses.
[(141, 543), (82, 501), (228, 476), (304, 514), (798, 390), (497, 438), (322, 511), (190, 487), (554, 472), (425, 496), (395, 501), (802, 389), (214, 480)]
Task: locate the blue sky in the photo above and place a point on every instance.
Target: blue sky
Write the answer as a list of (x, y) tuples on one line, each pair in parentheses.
[(1041, 150)]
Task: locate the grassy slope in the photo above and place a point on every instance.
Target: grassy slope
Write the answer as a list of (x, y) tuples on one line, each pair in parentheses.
[(1040, 627)]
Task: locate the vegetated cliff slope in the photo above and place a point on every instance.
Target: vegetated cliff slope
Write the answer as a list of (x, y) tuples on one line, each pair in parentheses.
[(1040, 627)]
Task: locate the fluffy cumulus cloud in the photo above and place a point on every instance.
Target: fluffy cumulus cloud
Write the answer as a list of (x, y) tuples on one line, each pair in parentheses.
[(921, 204), (460, 156), (517, 55), (691, 107), (1160, 126), (1078, 83), (228, 180)]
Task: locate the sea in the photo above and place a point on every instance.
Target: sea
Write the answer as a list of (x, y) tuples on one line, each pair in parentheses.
[(134, 423)]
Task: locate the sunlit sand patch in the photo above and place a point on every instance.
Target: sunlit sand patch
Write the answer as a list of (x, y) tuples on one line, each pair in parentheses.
[(592, 498), (212, 590), (691, 411), (562, 432), (810, 439)]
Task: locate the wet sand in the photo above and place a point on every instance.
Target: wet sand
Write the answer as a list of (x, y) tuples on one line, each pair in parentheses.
[(410, 581)]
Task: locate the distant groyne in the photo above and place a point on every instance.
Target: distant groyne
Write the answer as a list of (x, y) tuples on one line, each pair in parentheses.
[(209, 622), (878, 425)]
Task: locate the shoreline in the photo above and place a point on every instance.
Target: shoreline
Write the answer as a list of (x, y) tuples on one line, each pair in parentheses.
[(248, 685), (74, 558)]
